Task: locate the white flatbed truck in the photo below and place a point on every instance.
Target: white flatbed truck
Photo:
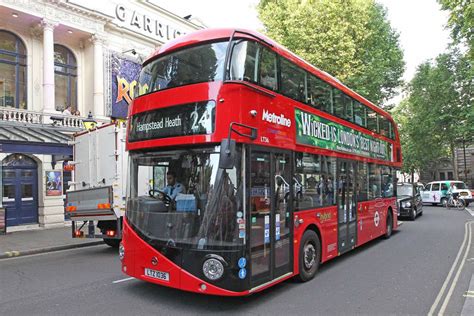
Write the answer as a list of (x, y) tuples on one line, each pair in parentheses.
[(95, 201)]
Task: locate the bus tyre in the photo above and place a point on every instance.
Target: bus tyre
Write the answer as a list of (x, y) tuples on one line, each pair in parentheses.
[(389, 229), (114, 243), (309, 257)]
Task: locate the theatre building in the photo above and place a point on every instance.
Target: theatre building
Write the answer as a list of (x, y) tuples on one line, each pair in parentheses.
[(62, 63)]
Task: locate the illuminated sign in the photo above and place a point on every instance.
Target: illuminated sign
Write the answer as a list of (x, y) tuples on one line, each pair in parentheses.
[(188, 119), (316, 131)]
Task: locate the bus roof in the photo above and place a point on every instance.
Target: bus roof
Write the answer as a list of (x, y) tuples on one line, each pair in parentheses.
[(206, 35)]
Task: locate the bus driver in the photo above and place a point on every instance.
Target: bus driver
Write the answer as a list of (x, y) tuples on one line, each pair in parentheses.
[(173, 187)]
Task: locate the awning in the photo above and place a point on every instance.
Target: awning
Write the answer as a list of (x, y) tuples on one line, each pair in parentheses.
[(34, 139)]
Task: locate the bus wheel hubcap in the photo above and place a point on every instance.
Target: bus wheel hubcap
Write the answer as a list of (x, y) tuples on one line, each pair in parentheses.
[(309, 256)]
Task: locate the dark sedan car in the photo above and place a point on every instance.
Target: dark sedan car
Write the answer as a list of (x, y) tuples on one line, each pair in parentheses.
[(409, 200)]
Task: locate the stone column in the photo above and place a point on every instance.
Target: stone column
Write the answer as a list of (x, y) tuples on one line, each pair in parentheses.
[(99, 106), (48, 65)]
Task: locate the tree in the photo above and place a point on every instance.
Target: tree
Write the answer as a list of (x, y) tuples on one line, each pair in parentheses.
[(461, 21), (437, 115), (351, 40)]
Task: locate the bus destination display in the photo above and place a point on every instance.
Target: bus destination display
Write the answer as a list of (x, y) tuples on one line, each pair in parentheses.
[(188, 119), (316, 131)]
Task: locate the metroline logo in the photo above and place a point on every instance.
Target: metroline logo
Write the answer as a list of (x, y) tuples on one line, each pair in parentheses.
[(276, 119)]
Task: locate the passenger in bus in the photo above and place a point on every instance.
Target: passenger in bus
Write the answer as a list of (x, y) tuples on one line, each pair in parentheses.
[(172, 187), (268, 81), (388, 187), (330, 197), (322, 190)]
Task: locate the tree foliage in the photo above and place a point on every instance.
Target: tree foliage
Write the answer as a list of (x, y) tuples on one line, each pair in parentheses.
[(461, 21), (350, 39), (438, 113)]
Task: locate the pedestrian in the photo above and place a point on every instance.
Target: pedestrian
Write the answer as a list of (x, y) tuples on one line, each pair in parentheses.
[(67, 111)]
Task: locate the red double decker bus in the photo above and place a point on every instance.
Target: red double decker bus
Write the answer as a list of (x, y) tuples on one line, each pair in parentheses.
[(273, 167)]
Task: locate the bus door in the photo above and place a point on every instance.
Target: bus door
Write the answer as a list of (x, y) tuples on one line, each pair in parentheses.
[(346, 205), (270, 200)]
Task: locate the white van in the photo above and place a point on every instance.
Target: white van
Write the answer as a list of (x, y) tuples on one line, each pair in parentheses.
[(436, 192)]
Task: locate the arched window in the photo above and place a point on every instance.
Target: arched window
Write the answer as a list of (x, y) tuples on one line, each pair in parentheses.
[(18, 160), (65, 78), (12, 71)]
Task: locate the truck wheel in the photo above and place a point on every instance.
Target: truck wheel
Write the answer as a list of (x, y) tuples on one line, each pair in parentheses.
[(309, 257), (114, 243)]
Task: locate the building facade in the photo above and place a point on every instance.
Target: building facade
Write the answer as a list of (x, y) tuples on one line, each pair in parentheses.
[(61, 63), (445, 170)]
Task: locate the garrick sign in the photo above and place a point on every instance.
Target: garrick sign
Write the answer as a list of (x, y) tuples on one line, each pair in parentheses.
[(316, 131)]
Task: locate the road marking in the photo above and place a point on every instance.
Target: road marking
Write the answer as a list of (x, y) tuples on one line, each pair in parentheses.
[(468, 306), (123, 280), (445, 284), (455, 281), (470, 211)]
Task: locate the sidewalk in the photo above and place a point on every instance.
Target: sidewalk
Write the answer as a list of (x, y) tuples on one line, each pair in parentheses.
[(24, 243)]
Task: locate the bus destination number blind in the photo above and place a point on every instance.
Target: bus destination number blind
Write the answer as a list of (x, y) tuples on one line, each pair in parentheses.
[(316, 131), (188, 119)]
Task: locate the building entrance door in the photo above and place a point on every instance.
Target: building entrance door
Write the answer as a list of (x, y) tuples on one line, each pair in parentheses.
[(20, 190)]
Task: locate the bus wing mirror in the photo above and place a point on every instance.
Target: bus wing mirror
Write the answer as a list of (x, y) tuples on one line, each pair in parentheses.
[(227, 156)]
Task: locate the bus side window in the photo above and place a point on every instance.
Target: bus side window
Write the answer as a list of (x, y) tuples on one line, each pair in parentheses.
[(372, 120), (293, 81), (244, 62), (268, 69), (374, 181), (319, 94), (387, 182), (362, 182), (360, 116)]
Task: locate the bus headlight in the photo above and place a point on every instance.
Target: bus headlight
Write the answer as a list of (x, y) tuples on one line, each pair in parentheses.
[(121, 251), (213, 269)]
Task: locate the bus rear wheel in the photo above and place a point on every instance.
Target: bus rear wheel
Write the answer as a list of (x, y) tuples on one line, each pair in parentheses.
[(309, 256), (389, 229)]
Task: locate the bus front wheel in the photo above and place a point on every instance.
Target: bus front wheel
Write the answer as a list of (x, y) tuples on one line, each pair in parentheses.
[(309, 256)]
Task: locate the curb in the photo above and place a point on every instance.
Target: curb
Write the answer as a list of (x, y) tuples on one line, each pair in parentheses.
[(14, 254)]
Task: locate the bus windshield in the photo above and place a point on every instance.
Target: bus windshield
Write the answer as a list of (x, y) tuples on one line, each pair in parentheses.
[(202, 214), (201, 63)]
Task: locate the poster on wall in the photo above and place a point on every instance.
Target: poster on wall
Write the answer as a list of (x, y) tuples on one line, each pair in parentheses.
[(54, 185), (124, 79)]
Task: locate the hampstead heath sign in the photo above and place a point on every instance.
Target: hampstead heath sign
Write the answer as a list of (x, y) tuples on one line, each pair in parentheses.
[(316, 131)]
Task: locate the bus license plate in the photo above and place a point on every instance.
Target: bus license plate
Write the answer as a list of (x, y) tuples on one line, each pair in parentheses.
[(165, 276)]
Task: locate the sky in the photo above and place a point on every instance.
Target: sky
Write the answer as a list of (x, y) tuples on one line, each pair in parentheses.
[(420, 23)]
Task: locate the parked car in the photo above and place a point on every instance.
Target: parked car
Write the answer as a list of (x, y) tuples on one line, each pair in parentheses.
[(409, 200), (436, 192)]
